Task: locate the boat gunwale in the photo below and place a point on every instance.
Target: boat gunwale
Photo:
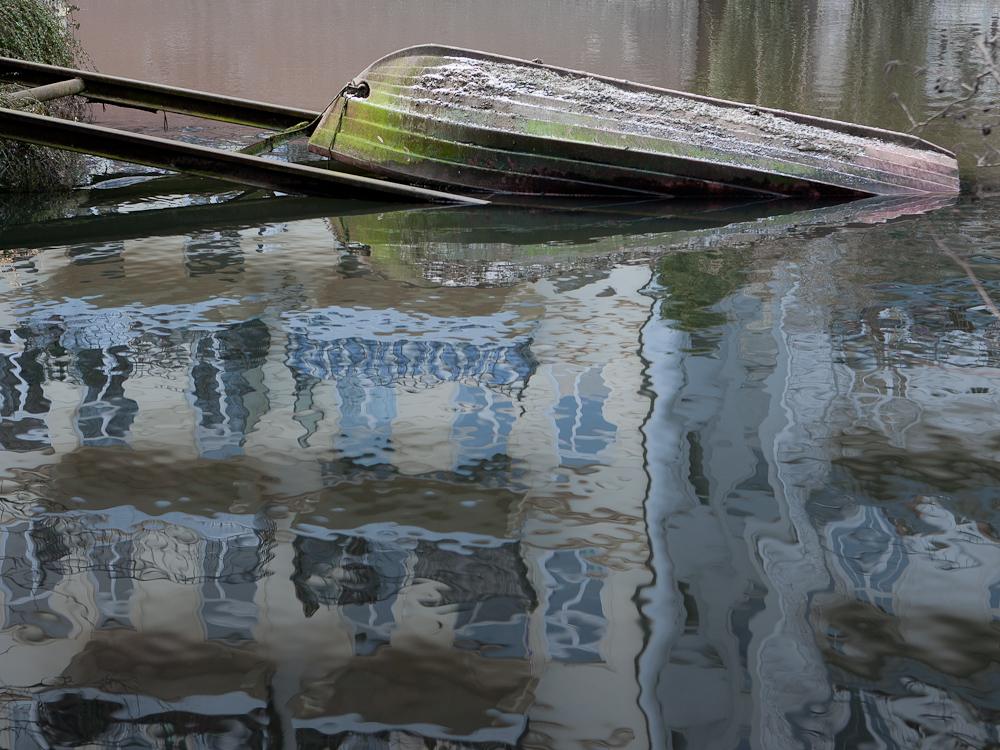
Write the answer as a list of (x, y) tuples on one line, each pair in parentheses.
[(849, 128)]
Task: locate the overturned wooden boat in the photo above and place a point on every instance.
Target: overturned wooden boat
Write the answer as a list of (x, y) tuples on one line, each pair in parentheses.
[(447, 117)]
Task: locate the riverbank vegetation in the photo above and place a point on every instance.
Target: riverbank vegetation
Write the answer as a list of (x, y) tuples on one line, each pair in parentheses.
[(39, 31)]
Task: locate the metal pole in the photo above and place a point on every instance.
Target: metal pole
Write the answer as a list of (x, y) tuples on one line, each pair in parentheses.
[(51, 91)]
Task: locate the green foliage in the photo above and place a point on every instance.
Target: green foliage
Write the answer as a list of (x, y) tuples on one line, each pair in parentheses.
[(35, 30), (694, 283), (39, 31)]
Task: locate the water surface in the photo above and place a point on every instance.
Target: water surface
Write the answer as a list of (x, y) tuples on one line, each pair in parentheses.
[(292, 473)]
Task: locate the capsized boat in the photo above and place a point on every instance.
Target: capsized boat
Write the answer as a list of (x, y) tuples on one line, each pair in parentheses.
[(460, 119)]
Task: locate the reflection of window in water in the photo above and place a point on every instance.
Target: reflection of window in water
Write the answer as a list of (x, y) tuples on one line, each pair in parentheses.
[(21, 396), (366, 417), (490, 590), (28, 577), (497, 628), (574, 615), (342, 570), (223, 392), (583, 432), (232, 568), (483, 425), (373, 624), (367, 373), (113, 578), (105, 417), (25, 434), (487, 587), (213, 253), (869, 555), (107, 254)]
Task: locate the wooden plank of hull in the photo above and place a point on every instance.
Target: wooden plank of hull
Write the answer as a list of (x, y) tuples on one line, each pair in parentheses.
[(443, 116)]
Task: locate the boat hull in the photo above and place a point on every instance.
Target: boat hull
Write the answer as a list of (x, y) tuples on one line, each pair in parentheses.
[(455, 118)]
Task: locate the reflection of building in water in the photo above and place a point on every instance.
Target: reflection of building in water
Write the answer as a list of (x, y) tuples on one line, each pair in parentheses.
[(822, 517), (368, 377), (116, 595), (331, 523), (121, 580), (219, 363), (907, 609)]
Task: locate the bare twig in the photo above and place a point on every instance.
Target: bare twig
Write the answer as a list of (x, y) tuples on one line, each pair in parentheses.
[(967, 108), (987, 47), (990, 304)]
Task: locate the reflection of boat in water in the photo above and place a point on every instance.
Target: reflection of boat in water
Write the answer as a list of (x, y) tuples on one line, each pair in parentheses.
[(475, 121), (500, 245)]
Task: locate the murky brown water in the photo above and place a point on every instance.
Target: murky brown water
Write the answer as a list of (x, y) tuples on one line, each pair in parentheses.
[(291, 473)]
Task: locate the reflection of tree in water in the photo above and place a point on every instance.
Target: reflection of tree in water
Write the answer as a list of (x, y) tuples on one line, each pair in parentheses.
[(919, 330), (826, 67), (896, 687), (344, 569), (73, 721), (913, 541), (476, 574), (691, 284), (871, 470), (486, 587)]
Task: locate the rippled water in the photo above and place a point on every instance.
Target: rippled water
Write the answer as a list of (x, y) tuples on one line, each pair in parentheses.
[(293, 473)]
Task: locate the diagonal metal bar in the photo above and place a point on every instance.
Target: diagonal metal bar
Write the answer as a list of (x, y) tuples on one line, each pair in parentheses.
[(209, 162), (126, 92)]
